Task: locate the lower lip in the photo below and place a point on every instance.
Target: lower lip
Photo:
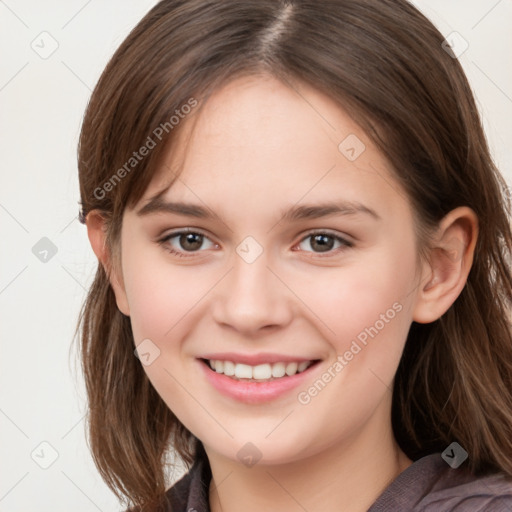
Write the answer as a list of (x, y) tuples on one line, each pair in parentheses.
[(254, 392)]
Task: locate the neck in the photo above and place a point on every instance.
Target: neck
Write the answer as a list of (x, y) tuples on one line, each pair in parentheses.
[(348, 476)]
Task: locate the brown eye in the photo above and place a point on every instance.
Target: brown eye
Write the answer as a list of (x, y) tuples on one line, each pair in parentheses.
[(190, 241), (182, 242), (322, 242)]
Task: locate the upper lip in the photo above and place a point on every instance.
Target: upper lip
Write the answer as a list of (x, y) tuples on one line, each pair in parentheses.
[(255, 359)]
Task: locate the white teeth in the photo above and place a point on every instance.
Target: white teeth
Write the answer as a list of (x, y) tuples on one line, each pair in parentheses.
[(262, 371), (303, 366), (278, 370), (291, 368), (243, 371), (259, 372), (229, 368)]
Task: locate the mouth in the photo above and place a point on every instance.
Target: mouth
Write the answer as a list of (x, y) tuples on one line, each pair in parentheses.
[(256, 384)]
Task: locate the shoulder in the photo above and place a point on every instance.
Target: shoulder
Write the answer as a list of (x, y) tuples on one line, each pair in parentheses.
[(465, 492), (473, 504), (431, 485)]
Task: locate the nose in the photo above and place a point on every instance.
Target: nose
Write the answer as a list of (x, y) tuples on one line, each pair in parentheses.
[(252, 297)]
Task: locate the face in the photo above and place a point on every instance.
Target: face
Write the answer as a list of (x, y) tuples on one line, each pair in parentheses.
[(296, 249)]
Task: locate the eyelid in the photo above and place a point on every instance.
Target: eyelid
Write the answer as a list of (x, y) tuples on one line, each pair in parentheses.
[(181, 231), (334, 234)]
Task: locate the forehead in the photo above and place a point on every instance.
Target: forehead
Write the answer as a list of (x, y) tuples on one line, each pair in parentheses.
[(266, 139), (261, 111)]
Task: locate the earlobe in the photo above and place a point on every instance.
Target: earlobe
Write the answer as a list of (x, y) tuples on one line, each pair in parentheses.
[(446, 273), (96, 231)]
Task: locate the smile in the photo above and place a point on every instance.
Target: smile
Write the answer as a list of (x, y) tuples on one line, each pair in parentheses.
[(262, 372), (256, 384)]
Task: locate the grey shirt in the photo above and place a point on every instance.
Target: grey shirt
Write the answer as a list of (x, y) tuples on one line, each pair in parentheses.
[(427, 485)]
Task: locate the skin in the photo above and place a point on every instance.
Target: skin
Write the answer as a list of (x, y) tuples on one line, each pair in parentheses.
[(259, 147)]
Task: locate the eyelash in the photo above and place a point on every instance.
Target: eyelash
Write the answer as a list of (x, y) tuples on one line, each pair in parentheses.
[(345, 243)]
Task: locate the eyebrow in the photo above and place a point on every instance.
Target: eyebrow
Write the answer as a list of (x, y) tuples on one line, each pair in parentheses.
[(295, 213)]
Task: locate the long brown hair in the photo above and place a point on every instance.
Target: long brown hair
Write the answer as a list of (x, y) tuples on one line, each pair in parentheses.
[(383, 61)]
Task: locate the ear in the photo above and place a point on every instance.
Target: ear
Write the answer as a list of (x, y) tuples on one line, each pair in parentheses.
[(96, 231), (445, 275)]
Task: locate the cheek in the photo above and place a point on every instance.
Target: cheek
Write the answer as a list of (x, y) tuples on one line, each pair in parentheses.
[(160, 294), (367, 292), (365, 316)]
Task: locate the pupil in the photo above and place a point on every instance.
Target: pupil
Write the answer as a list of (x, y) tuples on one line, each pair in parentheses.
[(188, 238), (321, 240)]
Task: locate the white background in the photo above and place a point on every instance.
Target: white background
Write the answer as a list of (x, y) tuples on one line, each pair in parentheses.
[(42, 102)]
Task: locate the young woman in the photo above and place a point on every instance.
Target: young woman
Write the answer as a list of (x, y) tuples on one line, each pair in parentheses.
[(304, 284)]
